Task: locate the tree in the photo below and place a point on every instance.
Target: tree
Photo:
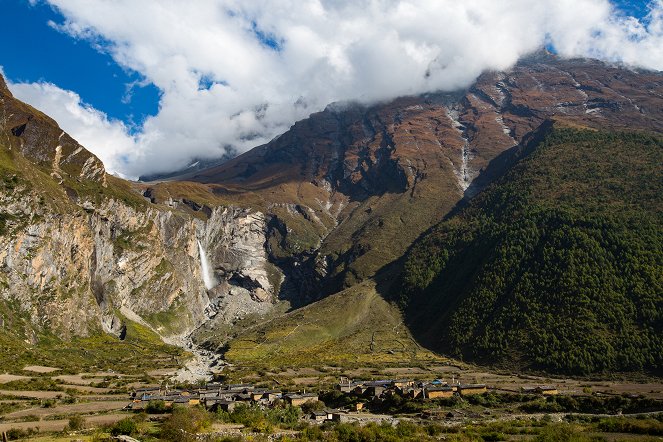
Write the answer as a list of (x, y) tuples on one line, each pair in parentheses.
[(184, 424), (126, 426), (310, 406), (156, 406)]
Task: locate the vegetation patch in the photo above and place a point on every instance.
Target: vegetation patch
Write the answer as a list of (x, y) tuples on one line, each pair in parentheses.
[(353, 328), (137, 353), (557, 266)]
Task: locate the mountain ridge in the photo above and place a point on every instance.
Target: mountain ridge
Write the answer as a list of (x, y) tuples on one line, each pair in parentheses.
[(354, 167)]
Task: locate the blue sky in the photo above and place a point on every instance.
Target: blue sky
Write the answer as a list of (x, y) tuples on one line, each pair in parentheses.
[(637, 8), (33, 51), (173, 84)]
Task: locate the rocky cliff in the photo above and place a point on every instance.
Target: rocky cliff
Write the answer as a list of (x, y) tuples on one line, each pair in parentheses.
[(82, 251)]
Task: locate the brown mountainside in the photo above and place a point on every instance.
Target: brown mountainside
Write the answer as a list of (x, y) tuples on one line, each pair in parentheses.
[(351, 187)]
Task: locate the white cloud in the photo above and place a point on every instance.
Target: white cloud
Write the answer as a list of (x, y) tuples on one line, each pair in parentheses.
[(329, 51)]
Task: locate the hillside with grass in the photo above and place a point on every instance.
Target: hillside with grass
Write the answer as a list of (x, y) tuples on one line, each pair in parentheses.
[(356, 327), (556, 266)]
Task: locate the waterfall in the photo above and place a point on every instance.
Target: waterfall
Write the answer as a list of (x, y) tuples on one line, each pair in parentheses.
[(208, 274)]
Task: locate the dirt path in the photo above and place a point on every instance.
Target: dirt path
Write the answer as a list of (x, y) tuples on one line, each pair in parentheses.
[(4, 378), (33, 394), (40, 369), (87, 389), (60, 424), (76, 379), (87, 378), (84, 407), (106, 397)]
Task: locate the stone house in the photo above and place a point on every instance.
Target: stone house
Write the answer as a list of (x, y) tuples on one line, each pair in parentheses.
[(299, 399), (469, 389), (438, 391)]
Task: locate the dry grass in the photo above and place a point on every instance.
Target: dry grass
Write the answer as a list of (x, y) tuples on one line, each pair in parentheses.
[(61, 424), (81, 408), (32, 394)]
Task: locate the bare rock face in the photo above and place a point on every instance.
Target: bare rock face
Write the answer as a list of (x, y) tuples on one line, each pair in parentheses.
[(78, 272), (234, 239), (4, 90), (81, 252)]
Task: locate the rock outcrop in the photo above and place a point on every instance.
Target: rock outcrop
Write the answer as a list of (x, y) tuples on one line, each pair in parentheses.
[(81, 251)]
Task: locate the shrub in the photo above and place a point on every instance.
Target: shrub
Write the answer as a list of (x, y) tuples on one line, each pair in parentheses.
[(312, 433), (185, 423), (564, 433), (126, 426), (312, 406), (76, 423), (48, 403), (156, 406), (651, 427), (19, 434)]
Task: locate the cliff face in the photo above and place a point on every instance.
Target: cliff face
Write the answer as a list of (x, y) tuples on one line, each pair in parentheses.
[(81, 251)]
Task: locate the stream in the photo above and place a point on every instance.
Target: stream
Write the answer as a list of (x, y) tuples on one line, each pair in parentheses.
[(202, 366)]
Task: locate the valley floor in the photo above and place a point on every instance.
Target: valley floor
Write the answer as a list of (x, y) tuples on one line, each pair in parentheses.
[(42, 405)]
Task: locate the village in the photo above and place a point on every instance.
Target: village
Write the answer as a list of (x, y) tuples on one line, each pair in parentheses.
[(216, 396), (43, 400)]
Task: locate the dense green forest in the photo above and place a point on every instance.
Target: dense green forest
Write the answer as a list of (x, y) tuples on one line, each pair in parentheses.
[(557, 266)]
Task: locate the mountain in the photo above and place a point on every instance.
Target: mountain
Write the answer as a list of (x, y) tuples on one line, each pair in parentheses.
[(557, 265), (304, 229), (383, 195), (350, 188), (195, 166), (84, 255)]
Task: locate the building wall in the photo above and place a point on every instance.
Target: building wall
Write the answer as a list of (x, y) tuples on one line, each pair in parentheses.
[(469, 391), (437, 394)]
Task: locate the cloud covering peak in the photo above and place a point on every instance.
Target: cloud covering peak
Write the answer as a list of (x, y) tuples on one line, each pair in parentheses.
[(234, 74)]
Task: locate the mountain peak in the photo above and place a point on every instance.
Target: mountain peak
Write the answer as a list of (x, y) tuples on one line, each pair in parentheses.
[(4, 90), (40, 139)]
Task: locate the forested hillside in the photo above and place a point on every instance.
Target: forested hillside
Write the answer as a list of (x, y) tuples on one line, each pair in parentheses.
[(556, 266)]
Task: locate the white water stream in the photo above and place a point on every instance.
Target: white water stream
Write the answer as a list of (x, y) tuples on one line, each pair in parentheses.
[(463, 175), (208, 275)]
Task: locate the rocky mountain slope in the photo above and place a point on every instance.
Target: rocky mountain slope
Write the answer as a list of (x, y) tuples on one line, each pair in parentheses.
[(82, 251), (325, 206), (385, 174), (556, 266), (350, 188)]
